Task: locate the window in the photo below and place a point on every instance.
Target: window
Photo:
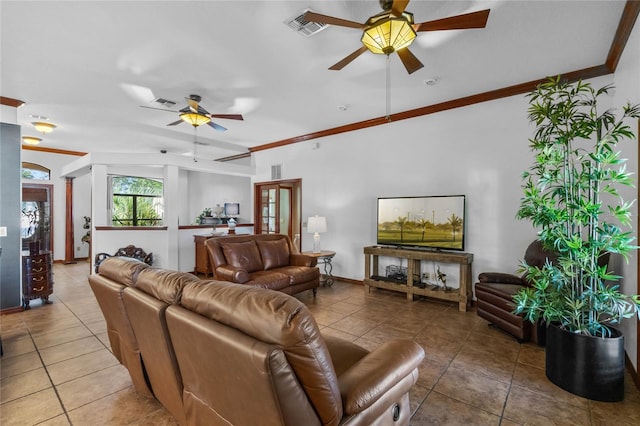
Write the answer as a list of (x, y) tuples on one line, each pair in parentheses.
[(136, 201), (35, 171)]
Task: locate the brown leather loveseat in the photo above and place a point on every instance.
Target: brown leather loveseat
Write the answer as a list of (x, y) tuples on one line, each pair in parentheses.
[(221, 353), (263, 260)]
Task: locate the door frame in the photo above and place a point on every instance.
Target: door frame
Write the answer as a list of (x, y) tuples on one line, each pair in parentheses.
[(296, 204)]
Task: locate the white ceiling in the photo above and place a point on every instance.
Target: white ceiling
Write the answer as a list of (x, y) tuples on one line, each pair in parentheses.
[(89, 65)]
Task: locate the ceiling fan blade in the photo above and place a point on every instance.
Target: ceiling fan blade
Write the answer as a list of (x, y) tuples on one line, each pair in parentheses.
[(175, 123), (217, 126), (324, 19), (159, 109), (410, 62), (398, 7), (459, 22), (228, 116), (346, 61)]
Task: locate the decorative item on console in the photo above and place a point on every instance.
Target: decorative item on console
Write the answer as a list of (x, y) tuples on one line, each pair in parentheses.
[(218, 214), (231, 226)]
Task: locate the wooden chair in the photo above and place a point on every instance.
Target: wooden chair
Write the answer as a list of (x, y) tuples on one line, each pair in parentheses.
[(128, 251)]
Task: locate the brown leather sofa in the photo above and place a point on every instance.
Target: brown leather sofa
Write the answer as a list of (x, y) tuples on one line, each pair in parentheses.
[(263, 260), (223, 353)]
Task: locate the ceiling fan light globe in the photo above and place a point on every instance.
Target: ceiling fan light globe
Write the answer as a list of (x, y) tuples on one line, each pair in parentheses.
[(388, 35), (194, 119), (31, 140), (43, 126)]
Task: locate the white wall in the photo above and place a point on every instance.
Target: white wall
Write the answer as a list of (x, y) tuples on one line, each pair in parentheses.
[(479, 151), (627, 89), (209, 189)]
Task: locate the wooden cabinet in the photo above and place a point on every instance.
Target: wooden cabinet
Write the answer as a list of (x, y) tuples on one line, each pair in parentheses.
[(203, 265), (372, 277), (37, 278)]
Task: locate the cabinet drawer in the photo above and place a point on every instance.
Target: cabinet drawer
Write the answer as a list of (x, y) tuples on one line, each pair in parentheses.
[(36, 269), (38, 289), (30, 262), (36, 280)]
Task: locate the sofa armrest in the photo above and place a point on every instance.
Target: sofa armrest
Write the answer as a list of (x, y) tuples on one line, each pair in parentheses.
[(298, 259), (378, 372), (500, 278), (231, 273)]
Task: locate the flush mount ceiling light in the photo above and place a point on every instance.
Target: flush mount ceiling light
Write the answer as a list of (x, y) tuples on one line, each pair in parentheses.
[(44, 127), (31, 140), (194, 119)]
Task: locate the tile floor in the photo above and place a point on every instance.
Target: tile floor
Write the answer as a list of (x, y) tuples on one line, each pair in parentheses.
[(57, 368)]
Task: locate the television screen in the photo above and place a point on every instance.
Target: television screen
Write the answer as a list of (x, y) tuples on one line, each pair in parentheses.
[(436, 222), (231, 209)]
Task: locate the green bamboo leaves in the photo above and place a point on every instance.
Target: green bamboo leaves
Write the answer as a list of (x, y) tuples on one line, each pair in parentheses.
[(571, 196)]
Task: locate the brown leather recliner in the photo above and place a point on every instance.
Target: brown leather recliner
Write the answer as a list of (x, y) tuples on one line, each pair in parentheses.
[(154, 290), (108, 287), (251, 356), (495, 291)]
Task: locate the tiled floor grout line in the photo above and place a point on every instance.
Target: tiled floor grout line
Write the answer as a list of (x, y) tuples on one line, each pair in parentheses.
[(53, 386)]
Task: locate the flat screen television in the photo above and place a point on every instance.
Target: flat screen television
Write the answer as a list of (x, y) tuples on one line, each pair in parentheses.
[(436, 222)]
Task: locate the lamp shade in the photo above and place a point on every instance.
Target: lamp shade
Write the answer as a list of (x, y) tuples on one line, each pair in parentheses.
[(317, 224), (389, 34), (194, 119), (31, 140), (43, 126)]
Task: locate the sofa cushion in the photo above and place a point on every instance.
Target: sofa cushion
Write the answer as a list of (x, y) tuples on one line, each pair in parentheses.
[(275, 253), (123, 270), (272, 280), (243, 255), (163, 284), (278, 319), (299, 274)]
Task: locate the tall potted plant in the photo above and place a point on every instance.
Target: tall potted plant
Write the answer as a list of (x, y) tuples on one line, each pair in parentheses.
[(571, 196)]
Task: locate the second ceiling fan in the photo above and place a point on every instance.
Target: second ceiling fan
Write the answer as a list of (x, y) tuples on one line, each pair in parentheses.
[(393, 30), (196, 115)]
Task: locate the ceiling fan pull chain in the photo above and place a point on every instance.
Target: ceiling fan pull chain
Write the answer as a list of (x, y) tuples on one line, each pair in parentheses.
[(388, 116), (195, 146)]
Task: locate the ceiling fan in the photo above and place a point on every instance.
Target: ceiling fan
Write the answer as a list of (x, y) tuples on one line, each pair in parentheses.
[(393, 30), (196, 115)]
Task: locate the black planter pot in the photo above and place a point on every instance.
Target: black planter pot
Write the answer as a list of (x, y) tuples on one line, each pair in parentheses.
[(591, 367)]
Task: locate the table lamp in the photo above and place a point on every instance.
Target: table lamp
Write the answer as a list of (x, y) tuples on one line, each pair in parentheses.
[(316, 225)]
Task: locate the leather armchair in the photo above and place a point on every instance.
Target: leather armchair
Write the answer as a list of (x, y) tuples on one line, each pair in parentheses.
[(495, 291)]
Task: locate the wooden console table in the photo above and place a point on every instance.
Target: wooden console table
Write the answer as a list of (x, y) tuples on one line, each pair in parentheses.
[(203, 264), (414, 256)]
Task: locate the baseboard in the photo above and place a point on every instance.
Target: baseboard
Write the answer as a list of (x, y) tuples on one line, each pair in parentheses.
[(632, 371), (13, 310), (349, 280)]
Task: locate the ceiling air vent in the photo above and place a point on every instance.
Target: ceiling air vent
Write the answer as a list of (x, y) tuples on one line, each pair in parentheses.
[(301, 26), (164, 102)]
